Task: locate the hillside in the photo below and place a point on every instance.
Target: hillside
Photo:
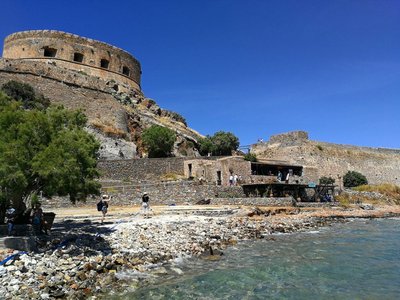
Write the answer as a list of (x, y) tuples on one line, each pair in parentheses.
[(116, 118)]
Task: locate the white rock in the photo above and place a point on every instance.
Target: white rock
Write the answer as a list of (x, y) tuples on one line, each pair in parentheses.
[(3, 270), (44, 296)]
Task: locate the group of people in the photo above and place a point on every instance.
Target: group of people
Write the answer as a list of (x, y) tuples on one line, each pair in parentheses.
[(103, 204), (234, 179), (35, 218), (279, 177)]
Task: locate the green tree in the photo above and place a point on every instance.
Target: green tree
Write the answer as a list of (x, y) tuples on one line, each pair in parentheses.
[(221, 143), (205, 145), (326, 180), (353, 178), (158, 141), (45, 150), (26, 94)]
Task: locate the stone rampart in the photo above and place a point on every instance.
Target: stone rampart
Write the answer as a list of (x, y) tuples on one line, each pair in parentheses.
[(103, 60), (140, 170), (379, 165), (173, 193)]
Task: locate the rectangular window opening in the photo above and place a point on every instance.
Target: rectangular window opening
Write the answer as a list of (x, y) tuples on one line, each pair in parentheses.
[(104, 63), (126, 71), (78, 57), (50, 52)]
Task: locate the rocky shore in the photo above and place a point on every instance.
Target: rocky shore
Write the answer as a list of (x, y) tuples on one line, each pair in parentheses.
[(84, 260)]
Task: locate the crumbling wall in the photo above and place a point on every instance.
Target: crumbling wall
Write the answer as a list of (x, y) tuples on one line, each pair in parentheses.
[(379, 165)]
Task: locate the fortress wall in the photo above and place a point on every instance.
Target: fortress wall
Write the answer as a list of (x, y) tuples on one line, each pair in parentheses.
[(377, 164), (57, 45), (96, 104), (171, 193), (69, 72), (140, 170)]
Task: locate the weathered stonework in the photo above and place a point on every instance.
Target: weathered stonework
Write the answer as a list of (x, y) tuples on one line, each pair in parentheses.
[(218, 170), (74, 53), (140, 170), (174, 193), (100, 79), (319, 159)]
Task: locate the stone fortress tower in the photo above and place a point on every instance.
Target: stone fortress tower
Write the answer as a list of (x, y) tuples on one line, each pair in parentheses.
[(102, 80), (39, 49)]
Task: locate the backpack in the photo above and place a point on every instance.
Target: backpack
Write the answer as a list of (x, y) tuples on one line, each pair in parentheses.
[(99, 206)]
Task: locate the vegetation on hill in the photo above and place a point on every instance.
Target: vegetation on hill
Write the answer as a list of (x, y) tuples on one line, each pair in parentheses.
[(326, 180), (158, 141), (392, 191), (221, 143), (26, 94), (353, 179), (373, 194), (44, 151), (174, 116), (250, 157)]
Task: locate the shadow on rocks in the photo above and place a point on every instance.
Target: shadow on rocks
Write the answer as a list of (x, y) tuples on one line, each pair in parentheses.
[(76, 238)]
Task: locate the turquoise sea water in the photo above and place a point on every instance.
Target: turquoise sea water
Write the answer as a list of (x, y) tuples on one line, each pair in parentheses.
[(355, 260)]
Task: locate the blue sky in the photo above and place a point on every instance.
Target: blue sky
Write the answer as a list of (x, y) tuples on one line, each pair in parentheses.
[(252, 67)]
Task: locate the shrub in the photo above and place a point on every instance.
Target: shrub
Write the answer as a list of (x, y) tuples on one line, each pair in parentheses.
[(174, 116), (250, 157), (320, 148), (344, 200), (353, 179), (326, 180), (26, 94), (158, 141)]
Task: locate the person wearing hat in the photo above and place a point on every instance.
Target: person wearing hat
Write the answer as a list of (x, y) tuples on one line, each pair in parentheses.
[(145, 202), (103, 207)]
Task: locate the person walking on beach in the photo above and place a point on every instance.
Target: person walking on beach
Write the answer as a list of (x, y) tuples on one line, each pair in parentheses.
[(103, 207), (145, 203)]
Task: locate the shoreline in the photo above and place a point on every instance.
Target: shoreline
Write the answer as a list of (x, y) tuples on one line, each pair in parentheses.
[(83, 260)]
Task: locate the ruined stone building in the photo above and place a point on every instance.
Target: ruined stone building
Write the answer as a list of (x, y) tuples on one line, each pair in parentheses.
[(379, 165)]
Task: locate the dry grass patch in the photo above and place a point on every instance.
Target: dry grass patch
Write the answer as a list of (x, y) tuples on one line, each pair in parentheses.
[(171, 177), (108, 128), (390, 190)]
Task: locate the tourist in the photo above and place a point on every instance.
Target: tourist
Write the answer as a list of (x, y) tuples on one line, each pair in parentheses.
[(37, 217), (231, 180), (103, 207), (279, 176), (145, 203), (10, 215), (235, 179), (201, 180)]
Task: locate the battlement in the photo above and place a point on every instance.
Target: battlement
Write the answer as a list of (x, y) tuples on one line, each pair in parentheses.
[(289, 137), (105, 60)]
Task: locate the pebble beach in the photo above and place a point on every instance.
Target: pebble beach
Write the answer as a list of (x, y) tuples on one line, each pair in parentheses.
[(83, 260)]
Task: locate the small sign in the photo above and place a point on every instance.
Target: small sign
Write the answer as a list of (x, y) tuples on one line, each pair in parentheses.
[(312, 184)]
